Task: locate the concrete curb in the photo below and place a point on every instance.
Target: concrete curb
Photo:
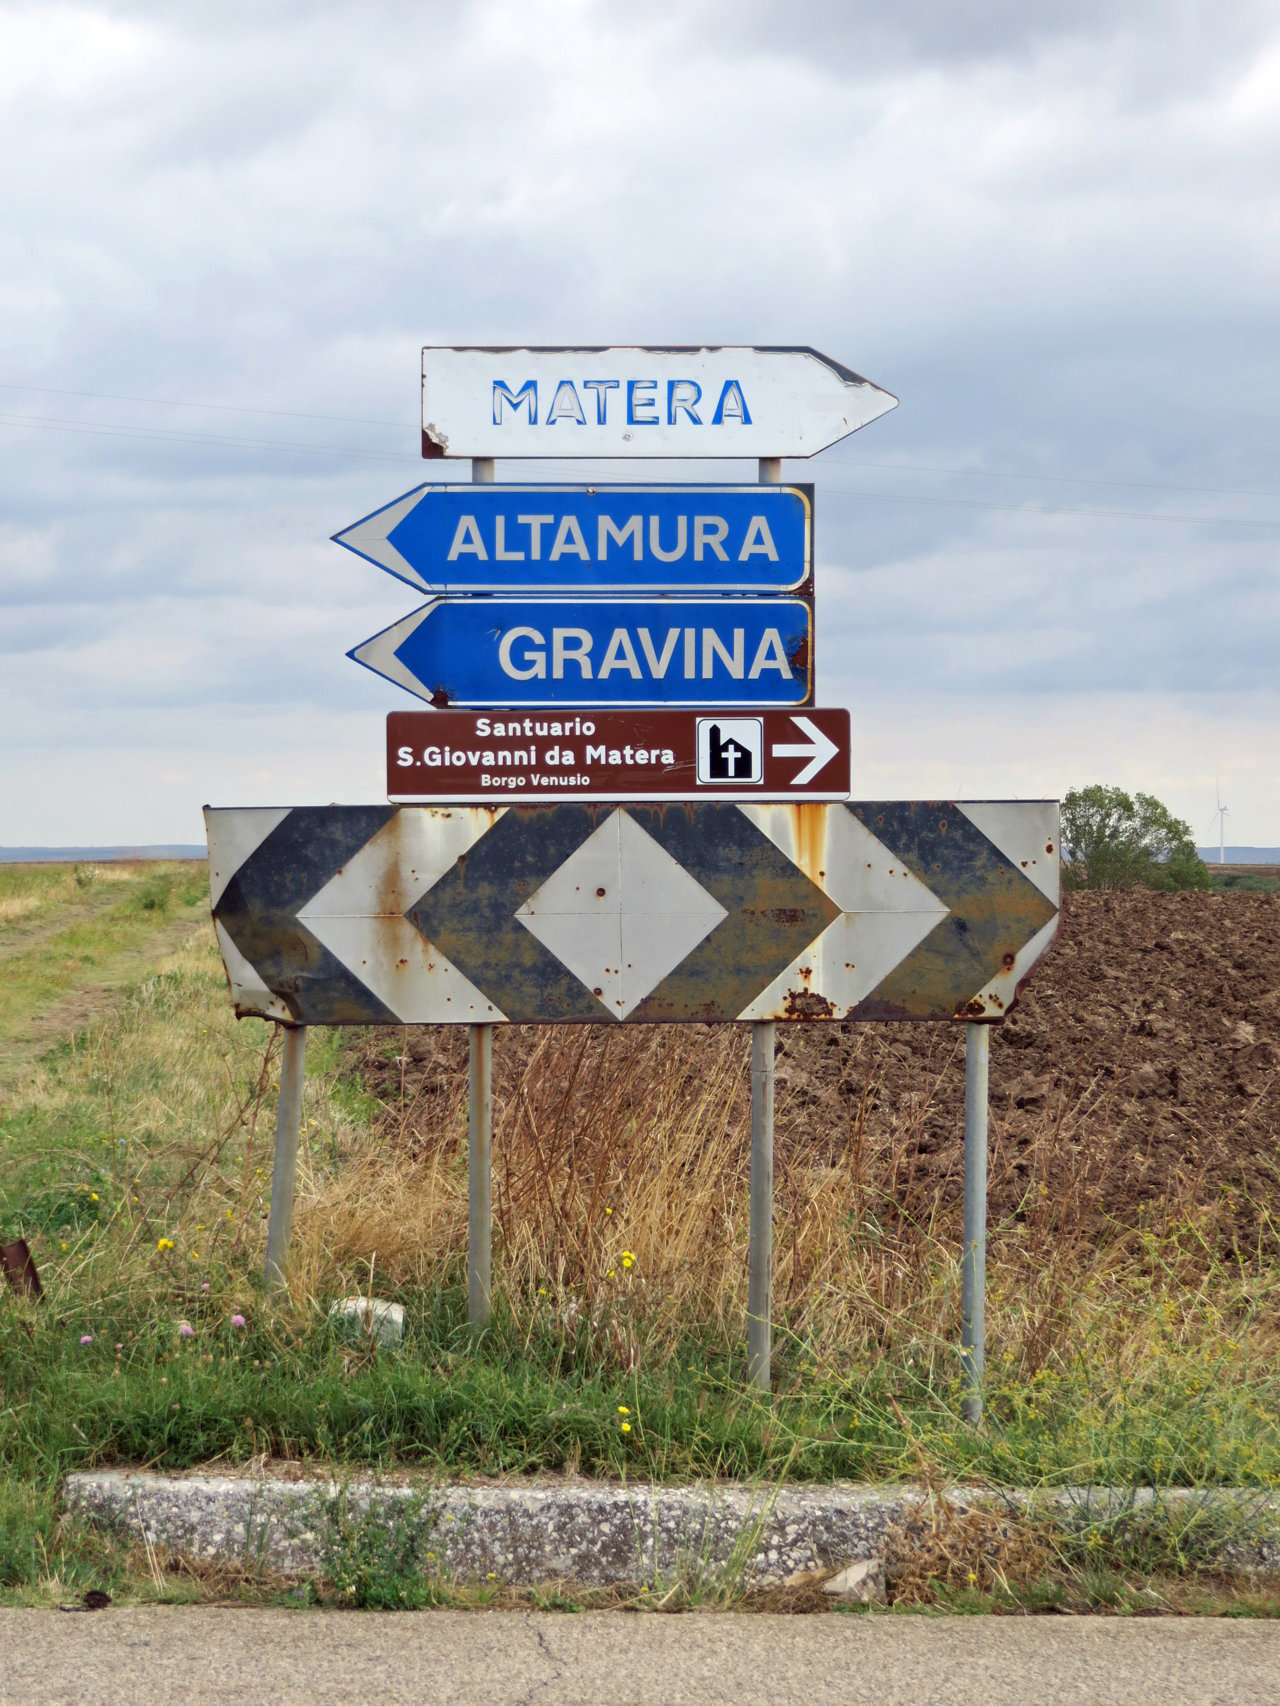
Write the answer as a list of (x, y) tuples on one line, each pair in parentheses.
[(597, 1534)]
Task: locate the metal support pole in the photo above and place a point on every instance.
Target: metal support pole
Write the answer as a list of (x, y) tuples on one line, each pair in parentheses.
[(284, 1165), (480, 1120), (479, 1162), (973, 1289), (760, 1256), (760, 1253)]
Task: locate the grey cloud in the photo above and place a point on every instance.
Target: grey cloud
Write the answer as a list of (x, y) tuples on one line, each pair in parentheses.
[(1047, 227), (1179, 40)]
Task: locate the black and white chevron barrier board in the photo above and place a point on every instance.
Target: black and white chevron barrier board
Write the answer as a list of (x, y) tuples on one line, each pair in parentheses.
[(353, 915)]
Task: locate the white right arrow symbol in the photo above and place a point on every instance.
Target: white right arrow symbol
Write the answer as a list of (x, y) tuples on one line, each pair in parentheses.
[(819, 753)]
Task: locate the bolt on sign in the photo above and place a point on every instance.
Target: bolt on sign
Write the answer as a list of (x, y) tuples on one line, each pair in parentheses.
[(644, 913), (618, 755)]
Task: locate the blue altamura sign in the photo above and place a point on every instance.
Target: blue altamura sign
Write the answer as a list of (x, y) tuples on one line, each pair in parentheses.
[(600, 651), (638, 538)]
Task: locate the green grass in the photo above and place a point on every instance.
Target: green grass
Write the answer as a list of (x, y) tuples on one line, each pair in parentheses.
[(136, 1162), (306, 1393), (522, 1404), (79, 931), (1241, 882)]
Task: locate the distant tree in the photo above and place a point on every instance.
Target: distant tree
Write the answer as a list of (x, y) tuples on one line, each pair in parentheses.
[(1114, 840)]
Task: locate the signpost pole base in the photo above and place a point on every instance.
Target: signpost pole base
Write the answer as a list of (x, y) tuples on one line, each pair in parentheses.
[(284, 1166), (479, 1182), (973, 1302), (760, 1256)]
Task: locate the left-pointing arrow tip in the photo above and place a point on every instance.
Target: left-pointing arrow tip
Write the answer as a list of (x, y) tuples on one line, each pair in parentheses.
[(370, 538), (380, 654)]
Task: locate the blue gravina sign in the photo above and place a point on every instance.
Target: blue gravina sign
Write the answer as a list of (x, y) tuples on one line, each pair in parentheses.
[(481, 652), (592, 538)]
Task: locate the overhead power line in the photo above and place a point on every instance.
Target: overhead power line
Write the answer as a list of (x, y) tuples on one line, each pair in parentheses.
[(172, 435), (1044, 509), (223, 408), (894, 467), (832, 480), (1069, 479)]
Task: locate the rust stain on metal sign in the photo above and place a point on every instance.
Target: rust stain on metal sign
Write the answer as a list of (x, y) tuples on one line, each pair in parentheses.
[(809, 830), (643, 913), (803, 1004)]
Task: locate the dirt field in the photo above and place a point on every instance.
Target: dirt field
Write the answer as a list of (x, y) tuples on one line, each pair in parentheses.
[(1138, 1077)]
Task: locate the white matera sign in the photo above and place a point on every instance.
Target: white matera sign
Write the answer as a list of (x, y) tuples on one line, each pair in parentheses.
[(726, 400)]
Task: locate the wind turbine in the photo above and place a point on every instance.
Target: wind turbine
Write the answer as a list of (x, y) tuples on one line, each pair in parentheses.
[(1221, 815)]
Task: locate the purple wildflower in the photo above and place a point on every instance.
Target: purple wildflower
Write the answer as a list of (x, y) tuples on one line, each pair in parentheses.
[(86, 1338), (237, 1320), (187, 1330)]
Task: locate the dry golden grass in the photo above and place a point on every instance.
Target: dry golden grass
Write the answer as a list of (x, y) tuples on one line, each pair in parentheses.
[(17, 906), (980, 1549), (621, 1166)]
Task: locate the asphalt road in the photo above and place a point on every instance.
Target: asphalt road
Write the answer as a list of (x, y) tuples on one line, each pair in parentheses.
[(206, 1657)]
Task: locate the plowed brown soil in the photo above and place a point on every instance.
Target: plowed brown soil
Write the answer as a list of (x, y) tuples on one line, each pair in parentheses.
[(1138, 1077)]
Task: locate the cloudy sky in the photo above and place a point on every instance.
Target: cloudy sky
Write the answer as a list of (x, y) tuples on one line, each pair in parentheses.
[(227, 227)]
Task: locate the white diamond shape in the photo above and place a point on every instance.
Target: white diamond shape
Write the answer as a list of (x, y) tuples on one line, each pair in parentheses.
[(885, 913), (358, 915), (621, 913)]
